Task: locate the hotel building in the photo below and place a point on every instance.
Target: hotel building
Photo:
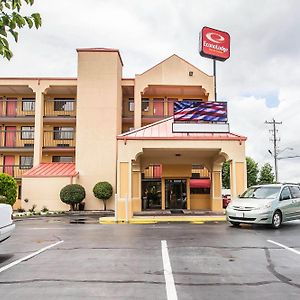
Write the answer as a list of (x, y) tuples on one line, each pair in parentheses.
[(103, 127)]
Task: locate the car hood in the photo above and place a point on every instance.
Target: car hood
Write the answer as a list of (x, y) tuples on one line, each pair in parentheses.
[(250, 202)]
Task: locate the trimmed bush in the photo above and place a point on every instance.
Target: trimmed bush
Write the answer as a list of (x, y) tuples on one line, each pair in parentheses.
[(8, 188), (72, 194), (103, 191)]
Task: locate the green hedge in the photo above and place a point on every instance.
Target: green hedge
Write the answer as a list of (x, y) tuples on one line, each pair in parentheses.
[(8, 188)]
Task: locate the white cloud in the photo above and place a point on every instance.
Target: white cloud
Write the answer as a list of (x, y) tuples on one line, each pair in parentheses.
[(265, 53)]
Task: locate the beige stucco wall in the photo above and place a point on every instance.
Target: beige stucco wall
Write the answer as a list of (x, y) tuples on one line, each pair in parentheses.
[(172, 71), (98, 121), (44, 191), (200, 201)]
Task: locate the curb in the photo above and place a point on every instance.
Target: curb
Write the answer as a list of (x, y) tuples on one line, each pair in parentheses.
[(161, 219)]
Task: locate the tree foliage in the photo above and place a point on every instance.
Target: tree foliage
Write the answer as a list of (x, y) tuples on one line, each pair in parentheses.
[(252, 171), (72, 194), (103, 191), (8, 189), (11, 21), (226, 175), (266, 174)]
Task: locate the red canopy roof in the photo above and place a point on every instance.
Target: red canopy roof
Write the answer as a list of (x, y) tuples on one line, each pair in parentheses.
[(52, 170)]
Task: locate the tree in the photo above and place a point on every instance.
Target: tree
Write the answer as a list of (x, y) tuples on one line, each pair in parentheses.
[(8, 189), (11, 20), (266, 174), (226, 175), (72, 194), (103, 191), (252, 171)]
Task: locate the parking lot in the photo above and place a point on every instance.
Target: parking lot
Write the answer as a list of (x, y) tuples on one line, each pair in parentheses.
[(57, 258)]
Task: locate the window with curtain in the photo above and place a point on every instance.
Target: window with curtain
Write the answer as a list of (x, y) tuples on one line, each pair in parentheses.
[(28, 104), (26, 162), (27, 132), (63, 104), (63, 133)]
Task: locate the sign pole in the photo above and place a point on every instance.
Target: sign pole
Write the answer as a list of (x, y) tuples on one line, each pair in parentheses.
[(215, 79)]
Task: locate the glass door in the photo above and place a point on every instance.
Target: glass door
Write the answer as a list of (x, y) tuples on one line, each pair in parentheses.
[(176, 193)]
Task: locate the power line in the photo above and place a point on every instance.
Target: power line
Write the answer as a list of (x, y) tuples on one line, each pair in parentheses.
[(274, 139)]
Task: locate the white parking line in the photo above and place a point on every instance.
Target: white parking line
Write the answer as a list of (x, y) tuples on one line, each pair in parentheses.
[(170, 285), (28, 256), (285, 247)]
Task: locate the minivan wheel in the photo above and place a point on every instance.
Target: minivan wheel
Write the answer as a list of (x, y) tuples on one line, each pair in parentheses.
[(235, 224), (276, 220)]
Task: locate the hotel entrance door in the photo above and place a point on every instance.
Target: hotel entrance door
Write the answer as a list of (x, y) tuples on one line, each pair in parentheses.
[(176, 193)]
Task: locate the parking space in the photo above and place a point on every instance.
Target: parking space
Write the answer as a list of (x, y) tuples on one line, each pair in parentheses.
[(207, 261)]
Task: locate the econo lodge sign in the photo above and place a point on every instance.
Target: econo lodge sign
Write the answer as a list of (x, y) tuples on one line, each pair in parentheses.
[(214, 44)]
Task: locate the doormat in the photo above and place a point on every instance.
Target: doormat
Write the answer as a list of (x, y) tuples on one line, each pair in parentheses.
[(176, 211)]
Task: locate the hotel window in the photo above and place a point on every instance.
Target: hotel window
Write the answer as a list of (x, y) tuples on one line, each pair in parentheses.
[(145, 104), (196, 171), (200, 191), (26, 162), (27, 132), (63, 104), (64, 159), (28, 104), (131, 105), (63, 133)]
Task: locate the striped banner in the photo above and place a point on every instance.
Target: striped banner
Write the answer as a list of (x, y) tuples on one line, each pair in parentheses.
[(200, 111)]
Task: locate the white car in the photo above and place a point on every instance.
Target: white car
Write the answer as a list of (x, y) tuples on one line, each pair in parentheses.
[(6, 223)]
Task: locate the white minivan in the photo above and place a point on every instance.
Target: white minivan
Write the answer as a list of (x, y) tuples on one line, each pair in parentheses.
[(266, 204), (6, 221)]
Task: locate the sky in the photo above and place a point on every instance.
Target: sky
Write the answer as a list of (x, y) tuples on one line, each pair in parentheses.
[(260, 80)]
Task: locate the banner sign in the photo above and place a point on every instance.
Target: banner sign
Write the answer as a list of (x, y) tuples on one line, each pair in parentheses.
[(200, 111), (214, 44)]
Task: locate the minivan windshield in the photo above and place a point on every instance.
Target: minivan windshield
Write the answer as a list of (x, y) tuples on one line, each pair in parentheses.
[(262, 192)]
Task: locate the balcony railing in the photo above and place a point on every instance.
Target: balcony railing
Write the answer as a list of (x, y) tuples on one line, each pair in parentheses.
[(11, 138), (60, 108), (14, 170), (12, 108), (59, 139)]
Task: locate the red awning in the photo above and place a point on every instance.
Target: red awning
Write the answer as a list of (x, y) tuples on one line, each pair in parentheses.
[(200, 183)]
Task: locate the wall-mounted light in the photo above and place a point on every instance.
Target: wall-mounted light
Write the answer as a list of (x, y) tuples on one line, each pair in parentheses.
[(191, 73)]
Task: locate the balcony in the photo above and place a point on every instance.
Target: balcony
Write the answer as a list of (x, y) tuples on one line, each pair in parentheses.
[(13, 140), (60, 110), (15, 170), (63, 139), (23, 110)]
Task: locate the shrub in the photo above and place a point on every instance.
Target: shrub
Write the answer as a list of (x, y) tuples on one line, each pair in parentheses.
[(103, 191), (72, 194), (8, 188), (44, 209), (32, 209)]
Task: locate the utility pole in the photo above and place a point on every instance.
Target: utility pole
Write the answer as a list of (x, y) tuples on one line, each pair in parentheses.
[(274, 139)]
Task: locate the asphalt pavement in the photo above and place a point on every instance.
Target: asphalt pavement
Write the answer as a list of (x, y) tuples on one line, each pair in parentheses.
[(67, 258)]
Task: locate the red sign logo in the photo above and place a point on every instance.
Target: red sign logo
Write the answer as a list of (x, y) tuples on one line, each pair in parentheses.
[(214, 44)]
